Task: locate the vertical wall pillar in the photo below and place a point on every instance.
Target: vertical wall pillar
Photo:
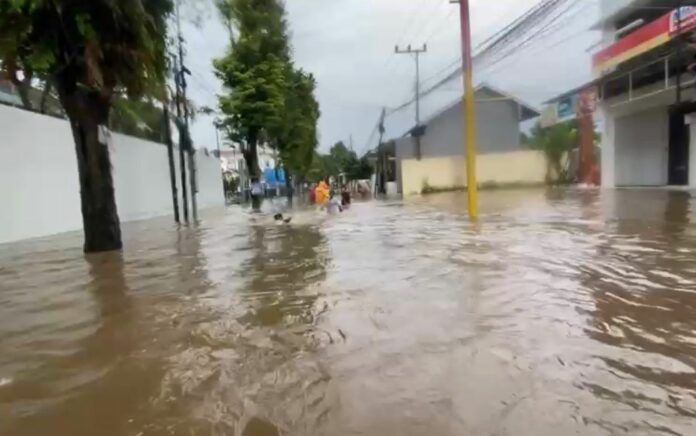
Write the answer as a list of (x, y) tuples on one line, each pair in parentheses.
[(585, 110), (608, 150), (691, 121)]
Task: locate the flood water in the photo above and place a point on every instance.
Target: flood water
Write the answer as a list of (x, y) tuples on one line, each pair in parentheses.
[(560, 312)]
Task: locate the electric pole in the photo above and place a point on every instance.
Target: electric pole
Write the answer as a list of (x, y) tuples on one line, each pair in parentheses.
[(182, 85), (182, 158), (416, 53), (170, 156), (380, 167), (469, 108)]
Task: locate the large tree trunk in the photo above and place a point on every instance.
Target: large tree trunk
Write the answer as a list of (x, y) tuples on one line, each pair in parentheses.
[(87, 111), (289, 188), (251, 158)]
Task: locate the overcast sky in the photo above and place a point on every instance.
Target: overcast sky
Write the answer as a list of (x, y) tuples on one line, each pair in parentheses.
[(349, 46)]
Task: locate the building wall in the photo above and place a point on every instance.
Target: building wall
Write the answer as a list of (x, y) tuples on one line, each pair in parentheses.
[(636, 132), (210, 187), (497, 129), (40, 189), (40, 193), (433, 172), (608, 150), (520, 167)]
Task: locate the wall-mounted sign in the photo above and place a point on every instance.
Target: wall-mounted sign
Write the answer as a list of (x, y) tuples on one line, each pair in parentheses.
[(570, 107), (645, 38), (567, 107)]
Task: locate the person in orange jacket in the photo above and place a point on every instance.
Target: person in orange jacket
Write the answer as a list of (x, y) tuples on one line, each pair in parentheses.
[(321, 193)]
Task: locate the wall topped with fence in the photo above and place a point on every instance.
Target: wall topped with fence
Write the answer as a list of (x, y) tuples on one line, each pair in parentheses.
[(40, 192)]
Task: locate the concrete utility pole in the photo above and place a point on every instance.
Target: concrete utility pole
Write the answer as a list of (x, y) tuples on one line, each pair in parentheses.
[(380, 177), (469, 108), (182, 85), (182, 158), (416, 52), (170, 157)]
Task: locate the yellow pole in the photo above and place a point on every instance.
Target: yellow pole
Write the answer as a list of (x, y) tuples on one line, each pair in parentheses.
[(469, 110)]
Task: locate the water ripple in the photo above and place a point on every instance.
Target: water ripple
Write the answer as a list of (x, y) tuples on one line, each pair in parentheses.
[(397, 317)]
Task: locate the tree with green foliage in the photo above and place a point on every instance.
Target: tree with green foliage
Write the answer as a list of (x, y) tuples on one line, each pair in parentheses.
[(254, 71), (296, 137), (340, 160), (347, 163), (342, 156), (91, 51), (317, 168), (359, 169), (556, 142)]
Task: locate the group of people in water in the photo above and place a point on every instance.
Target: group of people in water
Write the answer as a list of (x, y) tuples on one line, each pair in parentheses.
[(323, 195)]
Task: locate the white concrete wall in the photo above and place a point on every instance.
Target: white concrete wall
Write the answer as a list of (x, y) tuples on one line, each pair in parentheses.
[(39, 189), (210, 188), (141, 176)]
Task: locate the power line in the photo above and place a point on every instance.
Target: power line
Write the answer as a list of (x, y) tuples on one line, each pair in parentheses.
[(542, 32), (428, 20), (389, 65), (439, 29), (493, 39), (534, 16)]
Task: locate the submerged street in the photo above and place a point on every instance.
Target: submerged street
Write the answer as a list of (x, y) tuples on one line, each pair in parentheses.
[(561, 312)]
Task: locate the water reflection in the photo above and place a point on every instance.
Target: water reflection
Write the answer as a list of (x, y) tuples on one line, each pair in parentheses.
[(644, 293), (393, 318), (287, 265), (249, 368)]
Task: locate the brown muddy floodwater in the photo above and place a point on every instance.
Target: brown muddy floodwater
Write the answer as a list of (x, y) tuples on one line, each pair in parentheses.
[(559, 313)]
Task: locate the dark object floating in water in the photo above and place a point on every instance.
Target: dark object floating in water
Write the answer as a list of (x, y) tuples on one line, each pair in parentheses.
[(279, 217), (260, 427)]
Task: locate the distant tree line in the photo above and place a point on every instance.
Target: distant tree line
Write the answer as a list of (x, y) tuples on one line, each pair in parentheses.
[(340, 161), (267, 99)]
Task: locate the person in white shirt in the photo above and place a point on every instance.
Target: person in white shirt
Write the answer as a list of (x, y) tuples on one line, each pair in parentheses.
[(256, 194), (333, 206)]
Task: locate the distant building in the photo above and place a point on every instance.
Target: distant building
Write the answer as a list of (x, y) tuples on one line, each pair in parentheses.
[(645, 93), (439, 162), (233, 165), (232, 160)]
